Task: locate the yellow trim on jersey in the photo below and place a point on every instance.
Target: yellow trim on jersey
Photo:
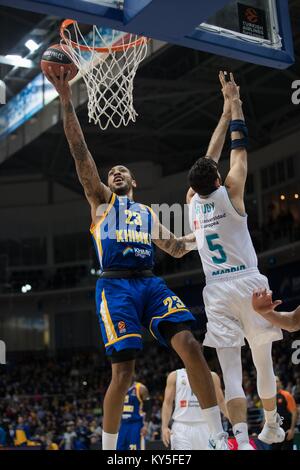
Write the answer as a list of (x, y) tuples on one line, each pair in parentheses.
[(174, 310), (151, 210), (123, 337), (138, 395), (93, 228), (105, 213), (106, 318)]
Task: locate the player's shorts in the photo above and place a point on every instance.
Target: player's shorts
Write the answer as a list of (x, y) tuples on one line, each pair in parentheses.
[(231, 318), (190, 436), (125, 306), (129, 437)]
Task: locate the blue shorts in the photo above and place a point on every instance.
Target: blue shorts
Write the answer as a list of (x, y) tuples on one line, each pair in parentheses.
[(129, 437), (124, 306)]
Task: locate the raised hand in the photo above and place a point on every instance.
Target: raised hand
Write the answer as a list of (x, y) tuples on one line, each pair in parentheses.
[(61, 83), (227, 105), (230, 89), (262, 302)]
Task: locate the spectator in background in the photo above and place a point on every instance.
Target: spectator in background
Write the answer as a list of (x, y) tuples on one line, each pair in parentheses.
[(154, 428), (296, 391), (69, 436), (287, 408), (2, 436)]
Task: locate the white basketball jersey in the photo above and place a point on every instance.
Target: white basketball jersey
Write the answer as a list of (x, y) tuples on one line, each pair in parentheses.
[(187, 408), (222, 235)]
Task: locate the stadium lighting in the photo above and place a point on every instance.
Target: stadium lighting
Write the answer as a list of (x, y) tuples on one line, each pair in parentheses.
[(296, 196), (26, 288), (31, 45), (282, 197), (18, 61)]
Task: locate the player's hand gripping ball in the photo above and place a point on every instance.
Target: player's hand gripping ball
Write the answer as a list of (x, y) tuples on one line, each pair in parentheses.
[(55, 57)]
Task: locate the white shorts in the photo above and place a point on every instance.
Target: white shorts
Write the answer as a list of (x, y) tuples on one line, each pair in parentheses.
[(189, 436), (231, 318)]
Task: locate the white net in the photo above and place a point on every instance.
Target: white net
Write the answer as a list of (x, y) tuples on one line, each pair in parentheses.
[(108, 61)]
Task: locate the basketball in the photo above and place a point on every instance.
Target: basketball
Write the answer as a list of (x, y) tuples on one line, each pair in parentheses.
[(55, 57)]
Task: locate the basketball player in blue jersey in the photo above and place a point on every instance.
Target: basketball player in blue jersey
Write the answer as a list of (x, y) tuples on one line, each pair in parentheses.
[(128, 295), (219, 221), (135, 418)]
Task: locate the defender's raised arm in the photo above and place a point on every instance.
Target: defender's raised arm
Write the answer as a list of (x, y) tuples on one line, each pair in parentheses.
[(236, 178), (218, 137)]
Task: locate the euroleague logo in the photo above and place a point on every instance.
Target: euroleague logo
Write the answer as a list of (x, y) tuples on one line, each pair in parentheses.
[(251, 15), (121, 327)]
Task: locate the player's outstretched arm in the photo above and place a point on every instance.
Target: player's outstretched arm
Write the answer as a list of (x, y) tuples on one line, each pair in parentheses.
[(264, 305), (217, 140), (95, 191), (168, 242), (167, 408), (236, 178)]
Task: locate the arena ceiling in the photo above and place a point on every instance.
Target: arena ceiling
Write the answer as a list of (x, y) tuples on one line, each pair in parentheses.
[(177, 98)]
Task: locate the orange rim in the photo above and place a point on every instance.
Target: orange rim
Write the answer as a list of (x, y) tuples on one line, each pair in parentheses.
[(66, 23)]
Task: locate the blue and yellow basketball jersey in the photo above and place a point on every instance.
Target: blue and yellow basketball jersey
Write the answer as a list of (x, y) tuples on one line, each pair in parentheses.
[(130, 437), (133, 405), (122, 237)]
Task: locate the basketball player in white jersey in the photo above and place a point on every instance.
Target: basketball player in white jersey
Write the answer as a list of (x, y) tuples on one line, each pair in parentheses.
[(219, 220), (189, 429)]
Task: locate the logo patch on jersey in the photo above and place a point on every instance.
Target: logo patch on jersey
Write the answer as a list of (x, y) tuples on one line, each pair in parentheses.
[(183, 403), (122, 327), (141, 253), (183, 382), (127, 250), (138, 252), (196, 224)]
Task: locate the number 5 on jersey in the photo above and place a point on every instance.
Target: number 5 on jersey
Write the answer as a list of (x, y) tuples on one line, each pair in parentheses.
[(216, 247)]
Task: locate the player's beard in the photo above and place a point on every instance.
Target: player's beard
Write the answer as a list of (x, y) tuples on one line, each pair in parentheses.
[(123, 190)]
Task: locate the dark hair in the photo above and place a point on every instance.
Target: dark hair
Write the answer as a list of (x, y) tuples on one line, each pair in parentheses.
[(203, 175), (131, 174)]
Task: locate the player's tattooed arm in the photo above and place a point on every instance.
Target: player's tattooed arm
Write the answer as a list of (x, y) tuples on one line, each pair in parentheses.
[(217, 141), (168, 242), (95, 191)]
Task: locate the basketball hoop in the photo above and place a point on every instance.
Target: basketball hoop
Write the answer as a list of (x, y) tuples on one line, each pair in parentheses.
[(107, 60)]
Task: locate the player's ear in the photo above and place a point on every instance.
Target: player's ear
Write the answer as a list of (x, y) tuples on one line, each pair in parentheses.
[(134, 183)]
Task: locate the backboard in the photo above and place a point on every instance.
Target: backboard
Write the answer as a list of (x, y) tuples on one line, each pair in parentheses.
[(256, 31)]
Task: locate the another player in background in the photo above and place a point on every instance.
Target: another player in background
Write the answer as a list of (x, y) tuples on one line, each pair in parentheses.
[(219, 221), (135, 418), (189, 430), (128, 294), (264, 305), (287, 408)]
